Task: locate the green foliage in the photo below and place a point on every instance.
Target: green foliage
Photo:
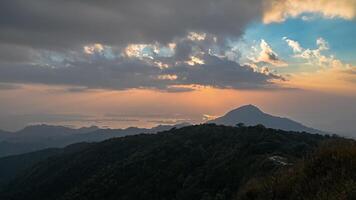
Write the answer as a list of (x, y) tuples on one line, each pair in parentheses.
[(240, 125), (204, 162), (328, 173), (11, 166)]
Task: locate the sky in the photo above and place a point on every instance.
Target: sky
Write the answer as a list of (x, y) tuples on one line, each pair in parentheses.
[(141, 63)]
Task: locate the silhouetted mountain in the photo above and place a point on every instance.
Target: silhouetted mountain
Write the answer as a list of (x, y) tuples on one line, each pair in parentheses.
[(41, 133), (251, 115), (11, 166), (4, 135), (195, 162), (43, 136), (8, 148), (88, 129), (45, 130), (160, 128)]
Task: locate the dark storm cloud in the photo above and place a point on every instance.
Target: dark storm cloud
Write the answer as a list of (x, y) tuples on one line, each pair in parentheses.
[(99, 74), (10, 53), (183, 50), (54, 24), (42, 42), (222, 73), (123, 74)]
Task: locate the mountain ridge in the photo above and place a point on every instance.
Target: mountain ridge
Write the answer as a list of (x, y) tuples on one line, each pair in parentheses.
[(251, 115), (193, 162), (37, 137)]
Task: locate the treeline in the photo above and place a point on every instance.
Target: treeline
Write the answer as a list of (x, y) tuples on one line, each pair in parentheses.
[(328, 173), (203, 162)]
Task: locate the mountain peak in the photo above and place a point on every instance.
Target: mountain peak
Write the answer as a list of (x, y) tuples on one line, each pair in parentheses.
[(251, 115), (247, 108)]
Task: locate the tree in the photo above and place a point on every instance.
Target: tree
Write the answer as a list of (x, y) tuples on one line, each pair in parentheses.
[(240, 125)]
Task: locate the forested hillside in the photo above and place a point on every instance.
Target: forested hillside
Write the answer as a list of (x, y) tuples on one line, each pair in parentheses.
[(197, 162)]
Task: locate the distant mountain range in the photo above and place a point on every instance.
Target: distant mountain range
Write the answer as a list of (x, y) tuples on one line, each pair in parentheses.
[(251, 115), (33, 138), (37, 137)]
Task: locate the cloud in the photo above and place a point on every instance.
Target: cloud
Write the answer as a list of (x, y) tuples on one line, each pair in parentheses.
[(280, 10), (29, 30), (332, 80), (29, 27), (196, 36), (222, 73), (331, 74), (168, 77), (207, 117), (267, 55), (12, 53), (127, 74), (94, 48), (195, 61), (294, 45), (63, 24), (184, 64), (315, 57), (166, 45)]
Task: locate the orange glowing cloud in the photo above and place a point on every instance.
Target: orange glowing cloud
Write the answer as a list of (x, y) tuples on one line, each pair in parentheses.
[(280, 10), (334, 80), (332, 75), (94, 48)]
